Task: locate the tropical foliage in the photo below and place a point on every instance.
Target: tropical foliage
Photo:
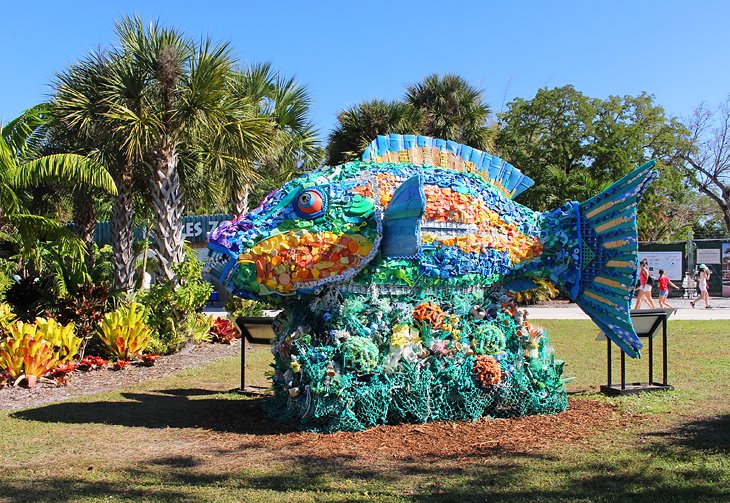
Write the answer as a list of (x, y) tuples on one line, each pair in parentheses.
[(573, 146), (29, 350), (442, 106), (125, 332)]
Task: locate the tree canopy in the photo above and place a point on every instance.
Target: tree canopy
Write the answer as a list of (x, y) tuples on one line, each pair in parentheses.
[(573, 146), (441, 106)]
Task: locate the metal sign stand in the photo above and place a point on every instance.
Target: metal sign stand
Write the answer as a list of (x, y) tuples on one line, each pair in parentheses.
[(254, 330), (648, 321)]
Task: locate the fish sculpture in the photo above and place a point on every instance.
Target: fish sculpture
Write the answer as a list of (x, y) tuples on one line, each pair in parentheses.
[(425, 222)]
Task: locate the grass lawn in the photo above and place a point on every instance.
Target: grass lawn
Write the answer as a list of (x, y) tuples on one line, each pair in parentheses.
[(185, 438)]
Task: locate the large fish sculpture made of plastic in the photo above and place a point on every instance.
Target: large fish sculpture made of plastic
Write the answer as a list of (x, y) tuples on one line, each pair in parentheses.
[(419, 212)]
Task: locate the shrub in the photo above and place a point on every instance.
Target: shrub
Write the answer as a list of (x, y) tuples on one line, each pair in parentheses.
[(7, 269), (91, 363), (120, 364), (30, 297), (85, 308), (244, 307), (223, 331), (545, 290), (6, 318), (174, 319), (149, 359), (30, 350), (61, 338), (124, 331)]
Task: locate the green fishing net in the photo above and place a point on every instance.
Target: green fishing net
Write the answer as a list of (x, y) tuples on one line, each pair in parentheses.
[(349, 361)]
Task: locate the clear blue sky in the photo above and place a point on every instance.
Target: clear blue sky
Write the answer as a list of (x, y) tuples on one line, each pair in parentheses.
[(351, 51)]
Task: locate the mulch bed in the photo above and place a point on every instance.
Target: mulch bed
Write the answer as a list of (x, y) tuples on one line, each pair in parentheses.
[(106, 379), (437, 441)]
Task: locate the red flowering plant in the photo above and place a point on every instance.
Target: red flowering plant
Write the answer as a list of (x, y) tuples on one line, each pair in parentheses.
[(120, 364), (223, 331), (62, 370), (91, 363), (149, 359)]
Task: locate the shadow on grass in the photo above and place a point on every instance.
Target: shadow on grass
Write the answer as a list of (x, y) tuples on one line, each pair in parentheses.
[(514, 478), (612, 475), (710, 434), (175, 408)]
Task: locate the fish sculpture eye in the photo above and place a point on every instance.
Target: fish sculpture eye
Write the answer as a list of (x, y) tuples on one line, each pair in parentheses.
[(311, 203)]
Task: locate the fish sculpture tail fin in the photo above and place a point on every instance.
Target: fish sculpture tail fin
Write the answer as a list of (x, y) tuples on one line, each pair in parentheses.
[(606, 255)]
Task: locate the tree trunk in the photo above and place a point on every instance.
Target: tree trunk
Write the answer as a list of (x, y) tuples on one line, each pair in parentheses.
[(240, 200), (168, 206), (85, 219), (122, 231)]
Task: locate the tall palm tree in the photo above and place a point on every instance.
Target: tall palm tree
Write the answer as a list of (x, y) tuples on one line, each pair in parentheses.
[(360, 124), (451, 108), (83, 94), (183, 99)]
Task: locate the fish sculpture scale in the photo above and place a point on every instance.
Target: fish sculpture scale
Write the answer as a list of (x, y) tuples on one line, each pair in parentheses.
[(395, 272)]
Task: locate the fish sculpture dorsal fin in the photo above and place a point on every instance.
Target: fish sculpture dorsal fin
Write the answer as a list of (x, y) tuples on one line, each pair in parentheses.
[(427, 151), (402, 220)]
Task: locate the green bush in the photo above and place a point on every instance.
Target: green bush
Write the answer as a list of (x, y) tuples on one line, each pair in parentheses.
[(7, 269), (174, 311), (244, 307)]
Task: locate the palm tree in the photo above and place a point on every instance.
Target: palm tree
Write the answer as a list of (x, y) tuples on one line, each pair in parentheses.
[(360, 124), (292, 144), (161, 102), (453, 109), (81, 106), (22, 166), (182, 99)]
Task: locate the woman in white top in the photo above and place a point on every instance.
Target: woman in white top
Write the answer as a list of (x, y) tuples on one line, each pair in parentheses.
[(702, 280)]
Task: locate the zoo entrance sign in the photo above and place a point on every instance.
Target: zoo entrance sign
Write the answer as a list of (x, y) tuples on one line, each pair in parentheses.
[(194, 228)]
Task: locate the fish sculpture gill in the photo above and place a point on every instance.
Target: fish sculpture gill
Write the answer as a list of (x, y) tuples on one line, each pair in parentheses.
[(394, 272)]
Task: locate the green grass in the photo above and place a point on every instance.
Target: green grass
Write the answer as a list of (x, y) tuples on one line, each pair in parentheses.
[(188, 438)]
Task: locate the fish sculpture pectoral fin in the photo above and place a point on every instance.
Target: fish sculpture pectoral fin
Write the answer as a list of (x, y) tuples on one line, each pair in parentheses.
[(402, 220), (601, 266)]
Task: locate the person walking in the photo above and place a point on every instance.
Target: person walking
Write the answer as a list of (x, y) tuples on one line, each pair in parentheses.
[(645, 281), (702, 279), (664, 283)]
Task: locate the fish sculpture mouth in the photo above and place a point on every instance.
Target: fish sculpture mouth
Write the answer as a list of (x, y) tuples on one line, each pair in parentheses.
[(295, 260)]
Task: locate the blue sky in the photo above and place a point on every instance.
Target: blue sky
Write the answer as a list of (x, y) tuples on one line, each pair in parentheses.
[(347, 52)]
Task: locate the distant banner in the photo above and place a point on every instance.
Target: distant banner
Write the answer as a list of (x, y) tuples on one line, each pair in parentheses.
[(670, 261)]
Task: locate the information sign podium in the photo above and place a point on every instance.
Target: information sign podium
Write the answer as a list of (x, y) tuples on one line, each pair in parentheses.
[(647, 322), (254, 330)]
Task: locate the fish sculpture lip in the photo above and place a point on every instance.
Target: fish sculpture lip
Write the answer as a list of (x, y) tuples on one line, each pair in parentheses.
[(419, 213)]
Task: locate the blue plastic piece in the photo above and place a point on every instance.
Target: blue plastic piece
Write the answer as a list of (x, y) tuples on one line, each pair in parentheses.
[(402, 220)]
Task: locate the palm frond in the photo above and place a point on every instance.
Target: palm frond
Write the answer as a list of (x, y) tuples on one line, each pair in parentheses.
[(71, 168)]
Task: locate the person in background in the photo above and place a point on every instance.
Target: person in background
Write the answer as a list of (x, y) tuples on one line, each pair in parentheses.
[(689, 285), (644, 292), (664, 283), (702, 279)]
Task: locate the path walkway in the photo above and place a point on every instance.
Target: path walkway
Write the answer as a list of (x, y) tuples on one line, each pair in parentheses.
[(720, 311)]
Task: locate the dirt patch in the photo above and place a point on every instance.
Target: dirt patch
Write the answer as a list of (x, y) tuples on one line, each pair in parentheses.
[(97, 381)]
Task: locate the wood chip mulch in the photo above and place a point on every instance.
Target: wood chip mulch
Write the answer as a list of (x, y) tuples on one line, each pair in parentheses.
[(106, 379), (446, 440)]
